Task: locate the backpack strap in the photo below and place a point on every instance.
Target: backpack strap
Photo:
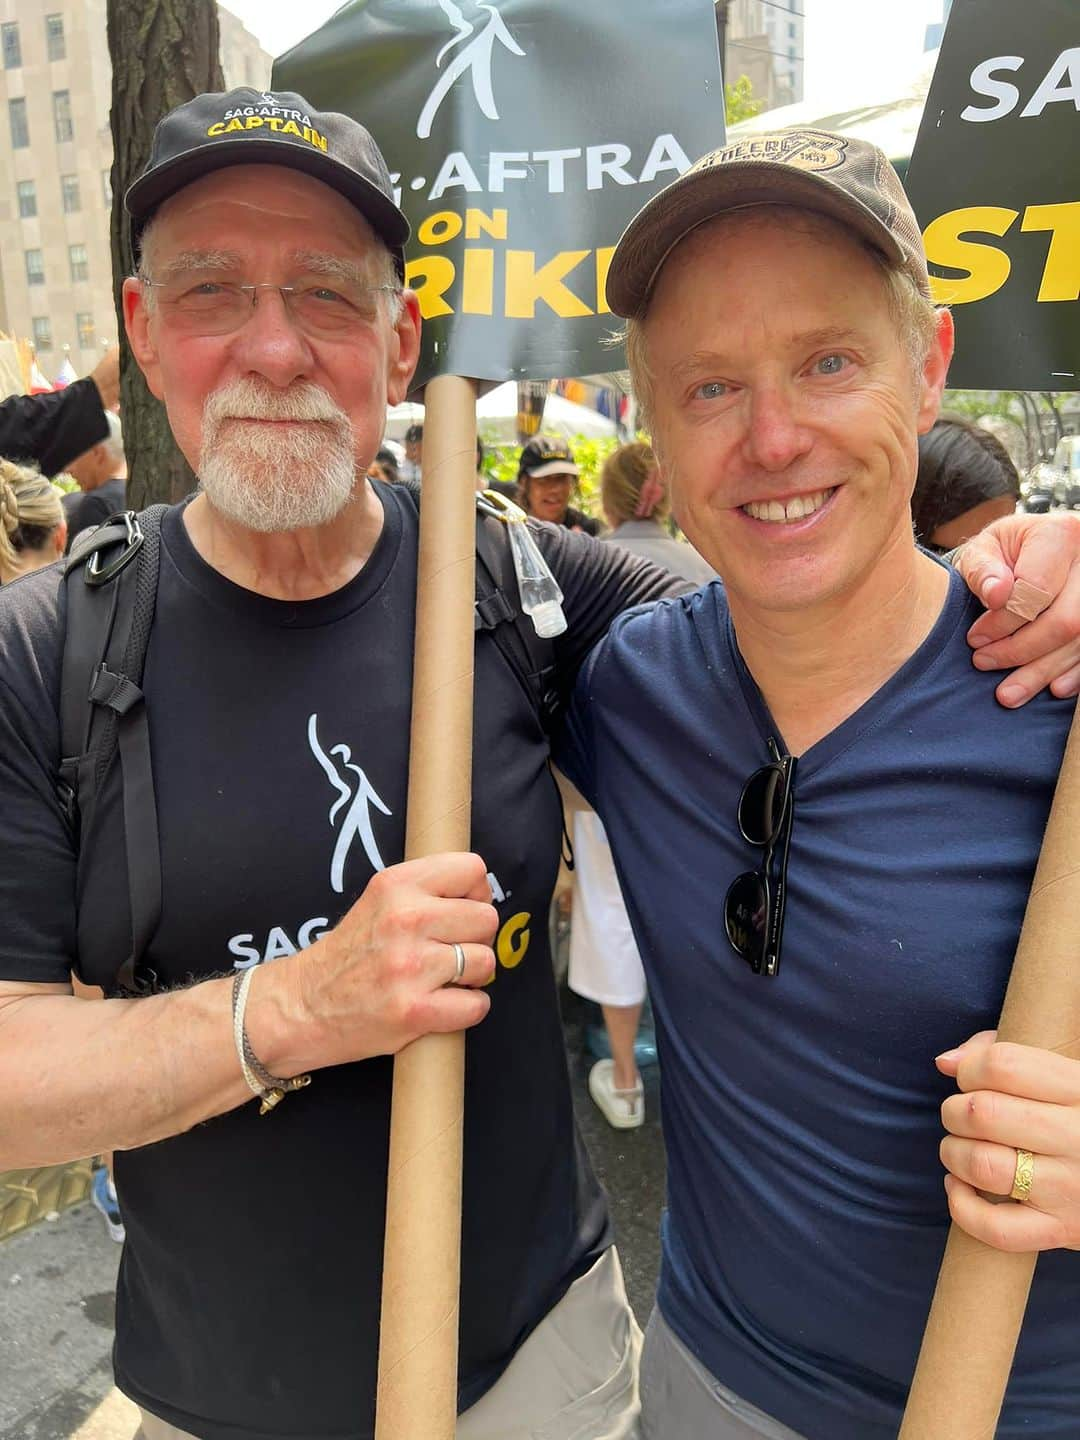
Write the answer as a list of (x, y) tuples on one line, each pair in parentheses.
[(497, 610), (111, 580)]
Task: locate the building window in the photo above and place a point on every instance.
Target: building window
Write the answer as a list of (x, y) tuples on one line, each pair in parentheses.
[(84, 321), (69, 193), (791, 32), (80, 265), (9, 34), (61, 103), (106, 188), (20, 128), (42, 332), (54, 37), (35, 267), (27, 199)]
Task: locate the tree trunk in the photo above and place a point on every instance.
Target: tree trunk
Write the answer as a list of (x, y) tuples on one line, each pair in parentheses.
[(163, 53)]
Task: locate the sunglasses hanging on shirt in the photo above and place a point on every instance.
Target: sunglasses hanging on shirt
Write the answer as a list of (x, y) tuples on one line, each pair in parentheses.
[(754, 906)]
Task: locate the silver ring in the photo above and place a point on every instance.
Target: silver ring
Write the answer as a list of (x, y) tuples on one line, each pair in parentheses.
[(459, 957)]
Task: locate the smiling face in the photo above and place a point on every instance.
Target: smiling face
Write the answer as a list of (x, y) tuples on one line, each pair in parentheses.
[(786, 406), (548, 496), (278, 416)]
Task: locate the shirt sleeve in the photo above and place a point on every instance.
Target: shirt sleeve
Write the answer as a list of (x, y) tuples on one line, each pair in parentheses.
[(52, 430), (598, 582)]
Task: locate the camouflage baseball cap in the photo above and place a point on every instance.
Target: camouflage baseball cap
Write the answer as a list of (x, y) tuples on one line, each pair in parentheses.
[(837, 175)]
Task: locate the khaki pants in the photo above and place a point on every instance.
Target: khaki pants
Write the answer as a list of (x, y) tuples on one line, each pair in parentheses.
[(575, 1377), (680, 1400)]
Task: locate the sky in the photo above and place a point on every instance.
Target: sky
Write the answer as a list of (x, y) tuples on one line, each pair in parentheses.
[(865, 46)]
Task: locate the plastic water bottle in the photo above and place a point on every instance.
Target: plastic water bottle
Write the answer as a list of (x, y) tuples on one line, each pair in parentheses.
[(541, 598)]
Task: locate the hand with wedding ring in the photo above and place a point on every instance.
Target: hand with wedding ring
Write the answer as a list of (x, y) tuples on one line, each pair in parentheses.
[(1026, 571), (408, 959), (1015, 1133)]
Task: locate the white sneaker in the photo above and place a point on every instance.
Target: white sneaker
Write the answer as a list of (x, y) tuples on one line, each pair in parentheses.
[(622, 1109)]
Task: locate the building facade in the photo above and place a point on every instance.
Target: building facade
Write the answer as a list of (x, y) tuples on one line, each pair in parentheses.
[(765, 43), (55, 164)]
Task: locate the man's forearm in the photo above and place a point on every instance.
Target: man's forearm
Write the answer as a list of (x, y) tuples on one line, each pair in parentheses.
[(82, 1076)]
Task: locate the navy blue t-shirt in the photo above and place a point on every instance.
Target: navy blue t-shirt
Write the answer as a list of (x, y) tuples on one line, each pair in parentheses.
[(807, 1214)]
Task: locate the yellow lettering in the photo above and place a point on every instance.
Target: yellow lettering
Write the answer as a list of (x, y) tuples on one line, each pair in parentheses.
[(987, 267), (603, 265), (217, 129), (275, 123), (525, 284), (319, 140), (234, 124), (431, 276), (1061, 275), (478, 282), (438, 228), (291, 128), (253, 122), (513, 940), (478, 224)]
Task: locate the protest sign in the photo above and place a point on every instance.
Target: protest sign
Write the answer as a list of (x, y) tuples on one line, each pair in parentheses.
[(522, 136), (995, 181)]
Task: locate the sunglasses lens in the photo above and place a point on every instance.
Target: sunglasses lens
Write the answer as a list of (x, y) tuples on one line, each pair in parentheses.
[(746, 916), (761, 808)]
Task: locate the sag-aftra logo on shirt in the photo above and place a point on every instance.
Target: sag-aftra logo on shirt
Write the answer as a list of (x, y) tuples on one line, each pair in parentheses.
[(352, 816)]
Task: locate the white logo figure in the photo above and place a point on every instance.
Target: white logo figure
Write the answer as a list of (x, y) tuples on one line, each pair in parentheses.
[(475, 57), (357, 820)]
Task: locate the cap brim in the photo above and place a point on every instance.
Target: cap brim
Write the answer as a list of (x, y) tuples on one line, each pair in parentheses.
[(153, 189), (701, 195), (552, 467)]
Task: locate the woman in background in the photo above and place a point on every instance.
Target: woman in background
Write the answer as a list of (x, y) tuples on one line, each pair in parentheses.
[(604, 962), (966, 481), (32, 526)]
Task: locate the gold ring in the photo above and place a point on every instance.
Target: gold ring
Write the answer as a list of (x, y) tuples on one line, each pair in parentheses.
[(1025, 1173)]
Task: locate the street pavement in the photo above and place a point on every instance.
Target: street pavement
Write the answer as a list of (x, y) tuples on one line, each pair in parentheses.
[(57, 1280)]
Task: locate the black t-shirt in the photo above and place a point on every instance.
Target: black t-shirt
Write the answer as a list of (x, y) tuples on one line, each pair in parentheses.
[(248, 1299), (94, 507)]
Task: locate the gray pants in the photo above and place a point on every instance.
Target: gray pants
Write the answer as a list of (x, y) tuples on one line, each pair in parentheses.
[(575, 1377), (680, 1400)]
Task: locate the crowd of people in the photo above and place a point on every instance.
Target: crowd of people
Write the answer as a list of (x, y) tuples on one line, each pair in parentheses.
[(822, 813)]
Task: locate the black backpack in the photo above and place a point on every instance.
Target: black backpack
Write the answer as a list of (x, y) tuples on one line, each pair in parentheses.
[(111, 580)]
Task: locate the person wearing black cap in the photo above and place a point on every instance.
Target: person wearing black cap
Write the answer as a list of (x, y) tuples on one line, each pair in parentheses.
[(269, 315), (824, 824), (547, 474)]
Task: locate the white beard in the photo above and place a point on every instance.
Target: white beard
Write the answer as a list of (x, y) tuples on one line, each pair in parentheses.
[(272, 478)]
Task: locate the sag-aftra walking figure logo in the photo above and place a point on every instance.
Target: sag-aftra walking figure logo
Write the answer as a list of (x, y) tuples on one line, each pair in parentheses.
[(475, 57)]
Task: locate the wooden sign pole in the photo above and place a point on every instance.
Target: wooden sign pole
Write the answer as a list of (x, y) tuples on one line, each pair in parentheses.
[(418, 1344), (978, 1307)]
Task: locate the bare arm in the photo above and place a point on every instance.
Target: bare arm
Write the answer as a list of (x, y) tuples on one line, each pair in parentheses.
[(81, 1076)]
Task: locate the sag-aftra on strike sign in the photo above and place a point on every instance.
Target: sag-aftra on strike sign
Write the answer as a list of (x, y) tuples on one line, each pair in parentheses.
[(522, 136), (995, 182)]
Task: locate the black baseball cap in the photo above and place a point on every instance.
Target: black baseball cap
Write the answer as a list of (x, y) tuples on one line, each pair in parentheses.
[(547, 455), (256, 127), (837, 175)]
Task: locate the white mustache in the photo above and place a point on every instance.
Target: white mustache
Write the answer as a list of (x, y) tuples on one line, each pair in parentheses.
[(248, 400)]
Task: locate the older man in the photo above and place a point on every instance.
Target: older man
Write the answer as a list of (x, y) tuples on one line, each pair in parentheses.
[(806, 760), (269, 315), (101, 474)]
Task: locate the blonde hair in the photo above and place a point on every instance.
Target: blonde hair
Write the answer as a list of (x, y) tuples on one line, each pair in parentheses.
[(627, 471), (915, 315), (30, 514)]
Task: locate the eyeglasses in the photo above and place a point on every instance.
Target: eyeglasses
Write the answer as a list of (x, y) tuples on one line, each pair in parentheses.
[(208, 306), (754, 906)]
